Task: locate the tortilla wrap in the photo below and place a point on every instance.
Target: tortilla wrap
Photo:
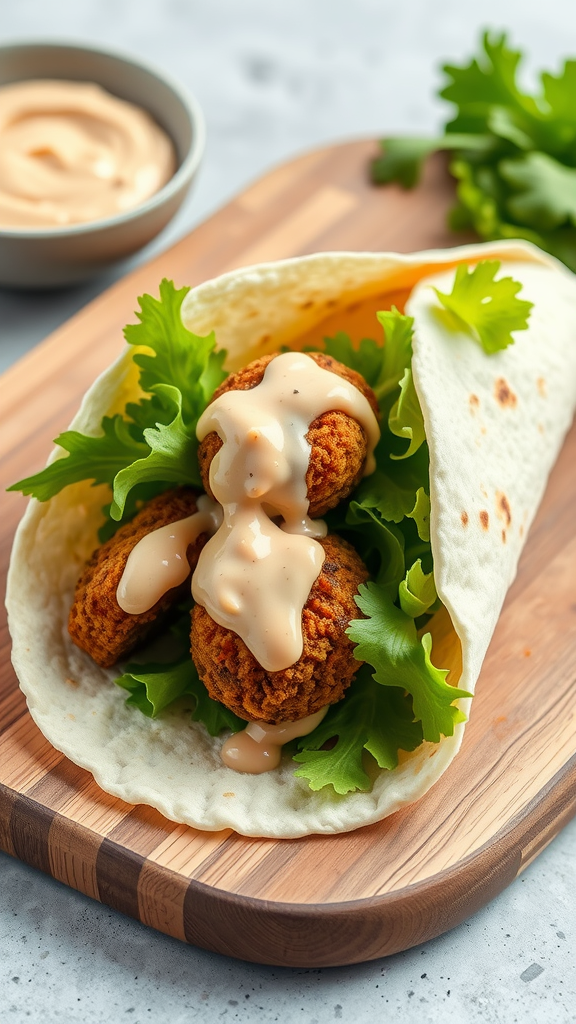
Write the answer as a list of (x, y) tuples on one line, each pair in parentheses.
[(501, 443)]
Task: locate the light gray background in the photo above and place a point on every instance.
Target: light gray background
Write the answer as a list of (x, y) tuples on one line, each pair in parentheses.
[(275, 77)]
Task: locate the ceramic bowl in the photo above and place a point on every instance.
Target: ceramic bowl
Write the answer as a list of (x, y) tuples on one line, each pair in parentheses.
[(51, 257)]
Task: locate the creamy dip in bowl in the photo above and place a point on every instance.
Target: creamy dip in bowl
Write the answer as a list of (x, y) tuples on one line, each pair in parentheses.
[(98, 153)]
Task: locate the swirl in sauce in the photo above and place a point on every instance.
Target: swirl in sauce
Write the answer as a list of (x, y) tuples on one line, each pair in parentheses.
[(70, 152)]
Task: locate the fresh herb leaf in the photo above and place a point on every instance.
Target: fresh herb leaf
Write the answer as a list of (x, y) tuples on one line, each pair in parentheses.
[(402, 158), (417, 591), (489, 308), (544, 191), (396, 355), (387, 639), (156, 685), (366, 358), (514, 152), (154, 443), (172, 455), (405, 419), (420, 513), (371, 718), (180, 358), (90, 458)]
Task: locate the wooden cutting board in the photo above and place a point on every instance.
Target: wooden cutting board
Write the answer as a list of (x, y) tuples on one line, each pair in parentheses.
[(320, 900)]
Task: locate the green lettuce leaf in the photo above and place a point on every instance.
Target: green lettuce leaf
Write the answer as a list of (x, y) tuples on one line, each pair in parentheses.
[(417, 591), (489, 308), (172, 455), (155, 685), (372, 719), (405, 419), (153, 445), (387, 639), (90, 458), (179, 358)]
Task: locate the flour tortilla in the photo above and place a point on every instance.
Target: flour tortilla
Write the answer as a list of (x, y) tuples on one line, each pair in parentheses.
[(505, 443)]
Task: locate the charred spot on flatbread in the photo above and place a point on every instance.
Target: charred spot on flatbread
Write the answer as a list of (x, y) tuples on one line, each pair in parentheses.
[(464, 518), (484, 519), (503, 509), (504, 394)]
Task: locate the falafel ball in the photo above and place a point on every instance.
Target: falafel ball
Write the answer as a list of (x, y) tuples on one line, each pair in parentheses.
[(97, 623), (325, 669), (338, 443)]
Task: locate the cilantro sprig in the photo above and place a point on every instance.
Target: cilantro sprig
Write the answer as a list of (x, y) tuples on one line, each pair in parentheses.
[(512, 153), (488, 308)]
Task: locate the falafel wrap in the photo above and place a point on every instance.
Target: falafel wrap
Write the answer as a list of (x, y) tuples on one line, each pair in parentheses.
[(471, 356)]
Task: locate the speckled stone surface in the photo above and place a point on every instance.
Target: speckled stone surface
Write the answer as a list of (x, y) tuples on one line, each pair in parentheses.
[(274, 79)]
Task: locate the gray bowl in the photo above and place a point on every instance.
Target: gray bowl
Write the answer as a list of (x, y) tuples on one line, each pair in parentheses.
[(50, 257)]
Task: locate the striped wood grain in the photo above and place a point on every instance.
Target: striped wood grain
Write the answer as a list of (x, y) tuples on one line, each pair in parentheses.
[(319, 900)]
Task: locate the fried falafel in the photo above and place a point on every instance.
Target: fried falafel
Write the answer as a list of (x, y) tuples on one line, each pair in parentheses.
[(338, 443), (321, 675), (97, 623)]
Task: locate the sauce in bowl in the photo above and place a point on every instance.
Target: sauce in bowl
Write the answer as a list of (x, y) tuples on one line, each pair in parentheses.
[(70, 153)]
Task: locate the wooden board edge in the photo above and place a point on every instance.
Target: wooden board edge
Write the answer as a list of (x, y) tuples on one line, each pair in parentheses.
[(283, 934)]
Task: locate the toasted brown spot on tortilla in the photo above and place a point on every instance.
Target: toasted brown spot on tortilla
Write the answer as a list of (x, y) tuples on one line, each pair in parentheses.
[(504, 394), (484, 519), (521, 530), (71, 682), (541, 385), (503, 536), (330, 303), (464, 518), (228, 794), (541, 428), (353, 307), (474, 402), (482, 430), (265, 339), (251, 314), (503, 509), (308, 304)]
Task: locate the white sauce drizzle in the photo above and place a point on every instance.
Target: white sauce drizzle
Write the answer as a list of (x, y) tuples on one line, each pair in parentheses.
[(158, 562), (254, 576), (256, 572), (258, 747)]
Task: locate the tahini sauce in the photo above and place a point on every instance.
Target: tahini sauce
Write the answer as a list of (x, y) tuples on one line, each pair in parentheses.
[(258, 747), (158, 562), (254, 575), (70, 152)]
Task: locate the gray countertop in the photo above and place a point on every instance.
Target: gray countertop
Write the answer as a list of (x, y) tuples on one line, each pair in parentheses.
[(275, 78)]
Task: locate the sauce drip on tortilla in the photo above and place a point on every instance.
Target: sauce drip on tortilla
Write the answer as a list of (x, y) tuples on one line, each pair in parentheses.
[(258, 747)]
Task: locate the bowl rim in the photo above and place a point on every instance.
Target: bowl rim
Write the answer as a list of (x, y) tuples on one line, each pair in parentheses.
[(184, 173)]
